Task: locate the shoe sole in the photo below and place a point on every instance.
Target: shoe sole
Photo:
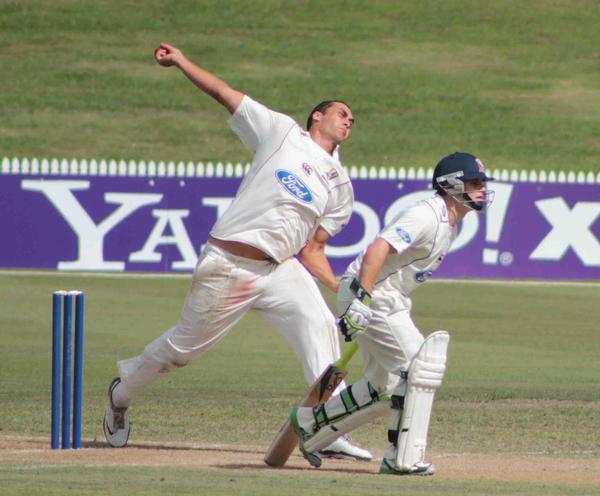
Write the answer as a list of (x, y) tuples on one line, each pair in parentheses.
[(386, 469), (107, 432)]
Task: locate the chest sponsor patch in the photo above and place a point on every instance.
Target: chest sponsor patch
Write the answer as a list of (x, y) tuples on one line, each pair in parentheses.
[(294, 185), (403, 235), (423, 276)]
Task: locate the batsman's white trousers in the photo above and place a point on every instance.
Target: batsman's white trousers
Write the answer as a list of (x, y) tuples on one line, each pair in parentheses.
[(224, 287), (391, 340)]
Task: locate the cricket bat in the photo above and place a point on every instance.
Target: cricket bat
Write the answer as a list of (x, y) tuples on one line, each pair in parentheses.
[(286, 440)]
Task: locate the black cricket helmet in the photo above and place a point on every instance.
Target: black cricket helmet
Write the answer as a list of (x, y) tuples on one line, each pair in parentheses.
[(452, 171)]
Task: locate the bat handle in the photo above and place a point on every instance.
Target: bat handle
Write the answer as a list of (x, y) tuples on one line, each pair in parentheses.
[(349, 352)]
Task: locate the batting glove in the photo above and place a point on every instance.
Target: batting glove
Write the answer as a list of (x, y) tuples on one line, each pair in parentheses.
[(356, 318)]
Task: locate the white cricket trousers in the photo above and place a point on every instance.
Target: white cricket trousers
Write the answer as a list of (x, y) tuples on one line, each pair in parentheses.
[(224, 287), (391, 340)]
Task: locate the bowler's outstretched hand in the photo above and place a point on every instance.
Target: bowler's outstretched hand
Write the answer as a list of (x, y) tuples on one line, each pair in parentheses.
[(167, 55)]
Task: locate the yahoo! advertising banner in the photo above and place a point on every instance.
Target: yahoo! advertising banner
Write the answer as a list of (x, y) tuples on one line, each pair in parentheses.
[(154, 218)]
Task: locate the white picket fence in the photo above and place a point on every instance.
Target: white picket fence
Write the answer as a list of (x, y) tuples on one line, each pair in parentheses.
[(132, 168)]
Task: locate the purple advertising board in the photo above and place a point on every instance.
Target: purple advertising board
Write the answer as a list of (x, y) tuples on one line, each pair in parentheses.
[(131, 217)]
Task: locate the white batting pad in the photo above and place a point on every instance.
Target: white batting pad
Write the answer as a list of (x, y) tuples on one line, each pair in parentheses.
[(331, 432), (424, 378)]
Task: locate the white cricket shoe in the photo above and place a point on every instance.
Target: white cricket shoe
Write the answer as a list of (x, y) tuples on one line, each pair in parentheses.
[(343, 447), (419, 468), (116, 420)]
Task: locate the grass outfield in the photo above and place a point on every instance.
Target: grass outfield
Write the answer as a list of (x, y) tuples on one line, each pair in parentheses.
[(522, 379), (515, 82), (150, 481)]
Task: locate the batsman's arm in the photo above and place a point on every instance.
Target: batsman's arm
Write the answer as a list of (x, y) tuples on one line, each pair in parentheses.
[(372, 262), (313, 258), (355, 319), (286, 440), (167, 55)]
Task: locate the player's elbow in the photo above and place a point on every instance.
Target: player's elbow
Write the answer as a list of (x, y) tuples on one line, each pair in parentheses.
[(227, 96), (308, 256), (304, 256)]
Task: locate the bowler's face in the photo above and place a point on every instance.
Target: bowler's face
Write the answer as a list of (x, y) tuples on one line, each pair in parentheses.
[(337, 121)]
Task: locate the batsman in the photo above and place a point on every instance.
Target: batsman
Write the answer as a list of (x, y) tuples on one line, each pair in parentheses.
[(402, 369)]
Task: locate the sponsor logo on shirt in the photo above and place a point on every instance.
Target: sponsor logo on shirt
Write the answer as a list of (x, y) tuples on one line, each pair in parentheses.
[(423, 276), (404, 236), (306, 168), (332, 174), (294, 186)]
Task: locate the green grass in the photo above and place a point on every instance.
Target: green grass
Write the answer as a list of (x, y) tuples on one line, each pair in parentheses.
[(516, 352), (159, 481), (522, 378), (520, 348), (515, 82)]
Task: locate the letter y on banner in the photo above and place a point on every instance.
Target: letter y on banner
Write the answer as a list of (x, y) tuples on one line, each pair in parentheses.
[(90, 236)]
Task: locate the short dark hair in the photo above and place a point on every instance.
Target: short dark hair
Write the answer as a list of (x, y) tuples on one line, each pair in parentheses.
[(322, 107)]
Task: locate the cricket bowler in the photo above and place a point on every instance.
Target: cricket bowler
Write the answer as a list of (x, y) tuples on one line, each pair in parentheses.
[(295, 196)]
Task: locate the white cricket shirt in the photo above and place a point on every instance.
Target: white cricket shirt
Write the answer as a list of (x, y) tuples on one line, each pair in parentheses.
[(293, 186), (422, 236)]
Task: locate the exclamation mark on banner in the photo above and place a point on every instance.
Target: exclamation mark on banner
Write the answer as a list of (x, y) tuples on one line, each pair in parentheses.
[(495, 216)]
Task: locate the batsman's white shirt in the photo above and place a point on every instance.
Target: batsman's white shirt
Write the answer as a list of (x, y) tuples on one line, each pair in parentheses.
[(422, 235), (292, 187)]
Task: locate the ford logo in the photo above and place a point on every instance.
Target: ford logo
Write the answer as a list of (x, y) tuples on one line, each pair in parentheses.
[(404, 236), (294, 185)]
